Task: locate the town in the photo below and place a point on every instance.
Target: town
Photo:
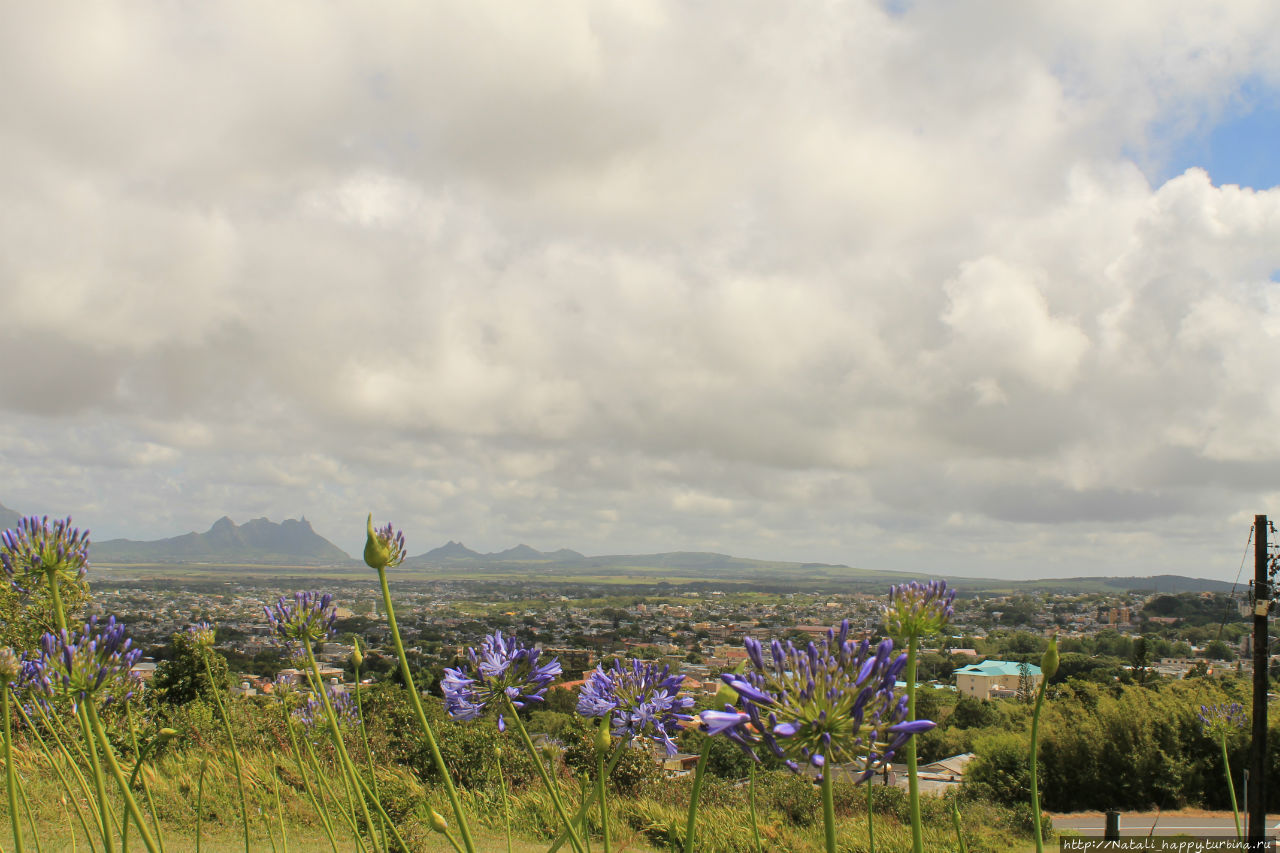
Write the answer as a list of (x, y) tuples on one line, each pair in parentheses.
[(697, 631)]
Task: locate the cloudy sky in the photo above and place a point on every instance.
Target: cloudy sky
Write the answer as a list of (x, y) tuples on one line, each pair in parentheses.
[(977, 288)]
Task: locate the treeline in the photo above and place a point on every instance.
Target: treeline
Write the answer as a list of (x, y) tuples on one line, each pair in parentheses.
[(1102, 746)]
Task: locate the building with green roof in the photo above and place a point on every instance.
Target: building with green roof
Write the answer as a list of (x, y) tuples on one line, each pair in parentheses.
[(994, 678)]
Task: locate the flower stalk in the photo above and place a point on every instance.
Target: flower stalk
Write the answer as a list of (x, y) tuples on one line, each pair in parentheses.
[(1048, 668), (552, 787), (385, 548), (10, 773)]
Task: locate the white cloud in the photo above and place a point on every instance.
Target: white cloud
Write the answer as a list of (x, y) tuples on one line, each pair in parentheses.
[(816, 282)]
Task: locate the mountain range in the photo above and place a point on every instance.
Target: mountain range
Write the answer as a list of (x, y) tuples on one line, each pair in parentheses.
[(294, 542), (291, 542)]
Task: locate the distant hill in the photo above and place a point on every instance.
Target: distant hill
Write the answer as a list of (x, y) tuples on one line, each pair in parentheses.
[(1156, 583), (449, 552), (291, 542)]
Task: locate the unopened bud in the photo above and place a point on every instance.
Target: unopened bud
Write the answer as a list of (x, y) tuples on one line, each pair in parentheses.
[(357, 657), (1049, 661), (603, 739), (376, 552), (438, 823), (167, 733)]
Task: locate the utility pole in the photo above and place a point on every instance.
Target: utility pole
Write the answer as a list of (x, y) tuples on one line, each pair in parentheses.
[(1257, 794)]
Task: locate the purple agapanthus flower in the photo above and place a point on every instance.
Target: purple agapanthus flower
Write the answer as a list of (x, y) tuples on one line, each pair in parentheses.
[(502, 667), (918, 609), (306, 619), (1218, 721), (639, 699), (38, 548), (833, 702), (84, 664), (311, 712), (202, 634)]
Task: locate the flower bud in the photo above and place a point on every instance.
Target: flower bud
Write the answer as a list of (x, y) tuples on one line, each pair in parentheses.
[(1049, 662), (10, 667), (438, 823), (167, 733), (603, 739), (377, 553), (357, 658)]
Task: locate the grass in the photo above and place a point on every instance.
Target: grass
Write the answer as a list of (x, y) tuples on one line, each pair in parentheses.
[(649, 822)]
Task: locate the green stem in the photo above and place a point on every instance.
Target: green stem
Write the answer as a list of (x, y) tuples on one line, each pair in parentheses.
[(691, 820), (368, 754), (586, 807), (275, 790), (751, 802), (327, 789), (585, 791), (552, 787), (913, 781), (204, 765), (604, 805), (215, 690), (10, 773), (829, 808), (31, 818), (871, 815), (395, 833), (506, 809), (140, 757), (321, 810), (955, 821), (348, 766), (1231, 788), (99, 782), (130, 803), (1035, 784), (62, 777), (416, 701), (55, 596)]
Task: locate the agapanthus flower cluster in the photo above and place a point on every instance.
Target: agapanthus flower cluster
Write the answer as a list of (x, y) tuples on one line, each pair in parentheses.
[(38, 547), (503, 668), (384, 547), (306, 619), (202, 634), (1217, 721), (85, 664), (284, 686), (311, 712), (833, 702), (639, 699), (918, 609)]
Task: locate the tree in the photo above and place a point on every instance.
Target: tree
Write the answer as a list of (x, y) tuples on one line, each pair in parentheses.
[(181, 678), (1141, 657), (1218, 650), (1026, 686)]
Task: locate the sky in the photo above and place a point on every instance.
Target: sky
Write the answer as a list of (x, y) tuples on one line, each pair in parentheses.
[(983, 288)]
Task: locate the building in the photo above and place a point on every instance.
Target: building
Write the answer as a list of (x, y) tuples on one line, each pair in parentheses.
[(982, 680)]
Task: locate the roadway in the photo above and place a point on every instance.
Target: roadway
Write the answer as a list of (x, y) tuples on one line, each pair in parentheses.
[(1092, 824)]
